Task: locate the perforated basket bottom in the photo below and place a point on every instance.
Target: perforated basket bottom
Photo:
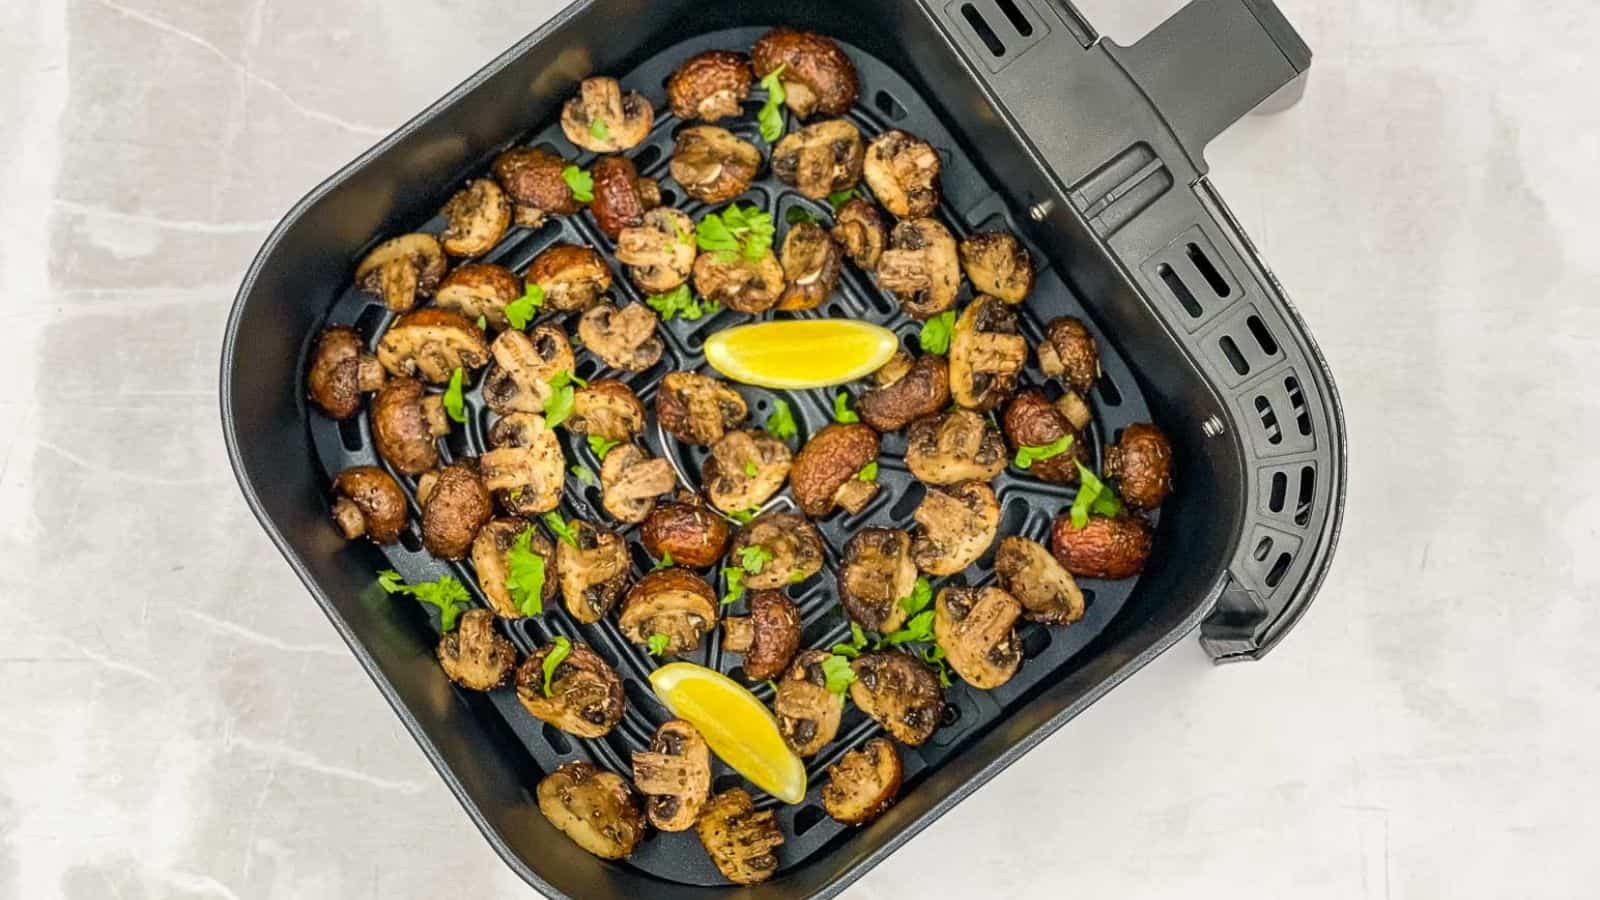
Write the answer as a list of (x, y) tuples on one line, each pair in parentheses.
[(1028, 506)]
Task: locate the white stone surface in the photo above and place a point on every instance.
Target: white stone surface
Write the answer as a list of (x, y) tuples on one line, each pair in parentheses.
[(178, 720)]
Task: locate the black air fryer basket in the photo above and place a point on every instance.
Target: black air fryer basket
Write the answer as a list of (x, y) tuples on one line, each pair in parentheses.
[(1090, 151)]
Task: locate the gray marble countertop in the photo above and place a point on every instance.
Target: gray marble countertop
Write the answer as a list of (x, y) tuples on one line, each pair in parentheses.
[(179, 720)]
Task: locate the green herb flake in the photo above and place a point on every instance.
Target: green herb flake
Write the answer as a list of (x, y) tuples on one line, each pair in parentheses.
[(585, 475), (581, 183), (744, 516), (734, 231), (561, 528), (869, 472), (1028, 455), (858, 642), (558, 406), (454, 404), (842, 412), (525, 574), (1094, 496), (447, 594), (680, 303), (935, 336), (735, 585), (600, 446), (798, 215), (919, 598), (771, 115), (657, 644), (753, 558), (796, 576), (665, 562), (840, 198), (521, 311), (750, 469), (483, 323), (560, 649), (836, 669), (599, 130), (918, 628), (934, 656), (780, 423)]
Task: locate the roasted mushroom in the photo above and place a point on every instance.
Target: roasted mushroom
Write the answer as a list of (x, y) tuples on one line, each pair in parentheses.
[(1139, 464), (812, 263), (474, 655), (745, 469), (623, 338), (903, 172), (698, 409), (877, 574), (606, 409), (594, 569), (955, 526), (585, 696), (524, 364), (573, 278), (672, 602), (594, 808), (1031, 420), (685, 530), (341, 372), (900, 693), (998, 265), (739, 838), (1112, 547), (431, 344), (974, 628), (768, 637), (793, 549), (808, 713), (1068, 352), (454, 506), (407, 423), (957, 446), (621, 195), (402, 269), (829, 471), (476, 218), (710, 86), (820, 159), (525, 467), (604, 119), (860, 228), (863, 783), (904, 391), (674, 775), (631, 480), (480, 289), (490, 560), (367, 501), (1046, 591), (750, 286), (713, 164), (817, 76), (987, 353), (920, 267), (532, 179), (659, 252)]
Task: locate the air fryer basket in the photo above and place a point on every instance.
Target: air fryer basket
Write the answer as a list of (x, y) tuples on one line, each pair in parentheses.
[(1088, 150)]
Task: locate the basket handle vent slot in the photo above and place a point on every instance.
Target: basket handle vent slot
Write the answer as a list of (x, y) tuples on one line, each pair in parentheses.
[(1276, 499), (1230, 349), (983, 29), (1308, 490), (1180, 291), (1279, 569), (1208, 271), (557, 739), (1109, 395), (1269, 420), (1297, 400), (888, 105), (807, 819), (1264, 338), (1263, 549), (1015, 17)]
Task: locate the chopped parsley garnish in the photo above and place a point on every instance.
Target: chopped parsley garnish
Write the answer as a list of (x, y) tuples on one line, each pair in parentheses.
[(1094, 496), (780, 424), (657, 644), (1028, 455), (558, 406), (917, 628), (753, 558), (601, 446), (919, 598), (735, 581), (869, 472), (561, 528), (935, 336), (771, 115), (483, 323), (665, 562), (744, 516), (836, 669), (454, 405), (934, 656), (750, 469), (599, 130), (858, 642), (581, 183), (525, 575), (799, 214), (680, 303), (585, 475), (560, 649), (734, 231), (841, 409), (447, 593), (840, 198), (521, 311)]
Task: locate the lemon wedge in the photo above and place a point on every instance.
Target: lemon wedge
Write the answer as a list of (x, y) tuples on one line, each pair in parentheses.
[(793, 354), (738, 727)]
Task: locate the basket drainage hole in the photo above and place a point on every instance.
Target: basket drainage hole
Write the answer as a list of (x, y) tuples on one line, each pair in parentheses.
[(1308, 489), (1258, 329), (350, 434), (889, 106), (950, 716), (647, 157), (1035, 640), (726, 783), (1280, 490), (807, 819), (1279, 569), (1297, 400), (410, 541), (1262, 549), (1208, 271), (367, 323), (557, 740), (1235, 358), (1269, 420), (981, 26), (1109, 395), (1014, 15), (1179, 290)]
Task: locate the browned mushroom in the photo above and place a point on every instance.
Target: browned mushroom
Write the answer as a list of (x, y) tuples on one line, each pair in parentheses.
[(1112, 547), (900, 693), (659, 252), (828, 471), (623, 338), (877, 574), (713, 164), (768, 637), (903, 172), (480, 289), (1047, 592), (1139, 464), (407, 422), (368, 501), (674, 775), (454, 506), (861, 229), (431, 344), (532, 179), (606, 409), (491, 552), (594, 569), (698, 409), (585, 696), (987, 353), (672, 602), (957, 446), (476, 218), (524, 363), (750, 286), (792, 549), (812, 263), (1068, 352), (998, 265), (808, 713), (863, 783), (631, 480), (594, 808), (920, 267), (820, 159), (525, 466), (621, 195), (341, 371), (974, 627), (686, 531), (573, 278), (817, 76), (745, 469), (710, 86), (1032, 421), (739, 838), (604, 118), (955, 526), (474, 655), (402, 269), (904, 391)]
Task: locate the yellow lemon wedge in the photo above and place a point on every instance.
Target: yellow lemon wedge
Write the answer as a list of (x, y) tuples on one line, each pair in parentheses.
[(793, 354), (738, 727)]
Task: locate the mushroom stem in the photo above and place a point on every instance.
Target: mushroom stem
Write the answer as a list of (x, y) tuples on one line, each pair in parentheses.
[(433, 413), (369, 373), (738, 634), (347, 515), (663, 773), (1076, 411), (398, 279)]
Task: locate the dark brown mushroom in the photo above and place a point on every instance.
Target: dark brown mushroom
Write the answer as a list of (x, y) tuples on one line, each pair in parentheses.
[(368, 501), (987, 353), (595, 571), (1068, 352), (673, 602), (957, 446), (1030, 420), (712, 164), (828, 470), (621, 195), (820, 159), (525, 467), (573, 278), (1139, 465), (454, 506), (711, 85), (674, 775), (920, 267), (533, 179), (524, 364), (812, 263), (904, 391), (476, 218), (685, 530), (974, 627), (768, 637), (490, 562), (476, 656), (341, 372), (900, 693), (631, 480), (792, 546), (402, 269), (998, 265), (955, 526), (903, 172), (817, 76), (861, 229), (1111, 547), (698, 409), (480, 290), (750, 286), (808, 713), (585, 697), (594, 808), (660, 251), (623, 338), (606, 409), (1047, 592), (431, 344), (604, 118), (407, 423), (745, 469), (878, 572), (740, 838), (863, 783)]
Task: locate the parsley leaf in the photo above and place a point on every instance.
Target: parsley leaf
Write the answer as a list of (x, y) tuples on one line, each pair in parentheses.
[(750, 469), (935, 336), (934, 656), (581, 183), (521, 311), (841, 409), (840, 198), (753, 558), (736, 230), (919, 598), (780, 424), (797, 576), (601, 446), (858, 642), (839, 675), (560, 649), (599, 130), (917, 628), (798, 214), (483, 323), (735, 577), (771, 115), (657, 644), (1094, 496), (714, 237), (585, 474), (453, 403), (665, 562), (1028, 455), (869, 472), (525, 575), (447, 593), (681, 303), (562, 529), (558, 406), (743, 516)]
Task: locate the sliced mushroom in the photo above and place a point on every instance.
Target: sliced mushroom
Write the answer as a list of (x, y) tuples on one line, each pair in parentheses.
[(605, 119), (621, 195), (532, 179), (631, 480), (768, 637), (808, 713), (480, 289), (659, 252), (750, 286), (368, 501), (817, 76), (1068, 352), (792, 545), (606, 409), (526, 468), (861, 229), (585, 696), (476, 218), (1140, 465), (812, 264), (524, 363), (674, 775), (1032, 421), (407, 423), (955, 526), (490, 552), (877, 574), (863, 783), (957, 446), (684, 529), (998, 265), (698, 409), (713, 164), (974, 626), (594, 572), (920, 267), (341, 371), (672, 602), (904, 391), (739, 838), (710, 86), (1112, 547), (402, 269), (623, 338), (431, 344), (820, 159), (1047, 592), (827, 471), (594, 808), (476, 656), (903, 172), (900, 693), (987, 353), (573, 278), (745, 469), (456, 506)]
